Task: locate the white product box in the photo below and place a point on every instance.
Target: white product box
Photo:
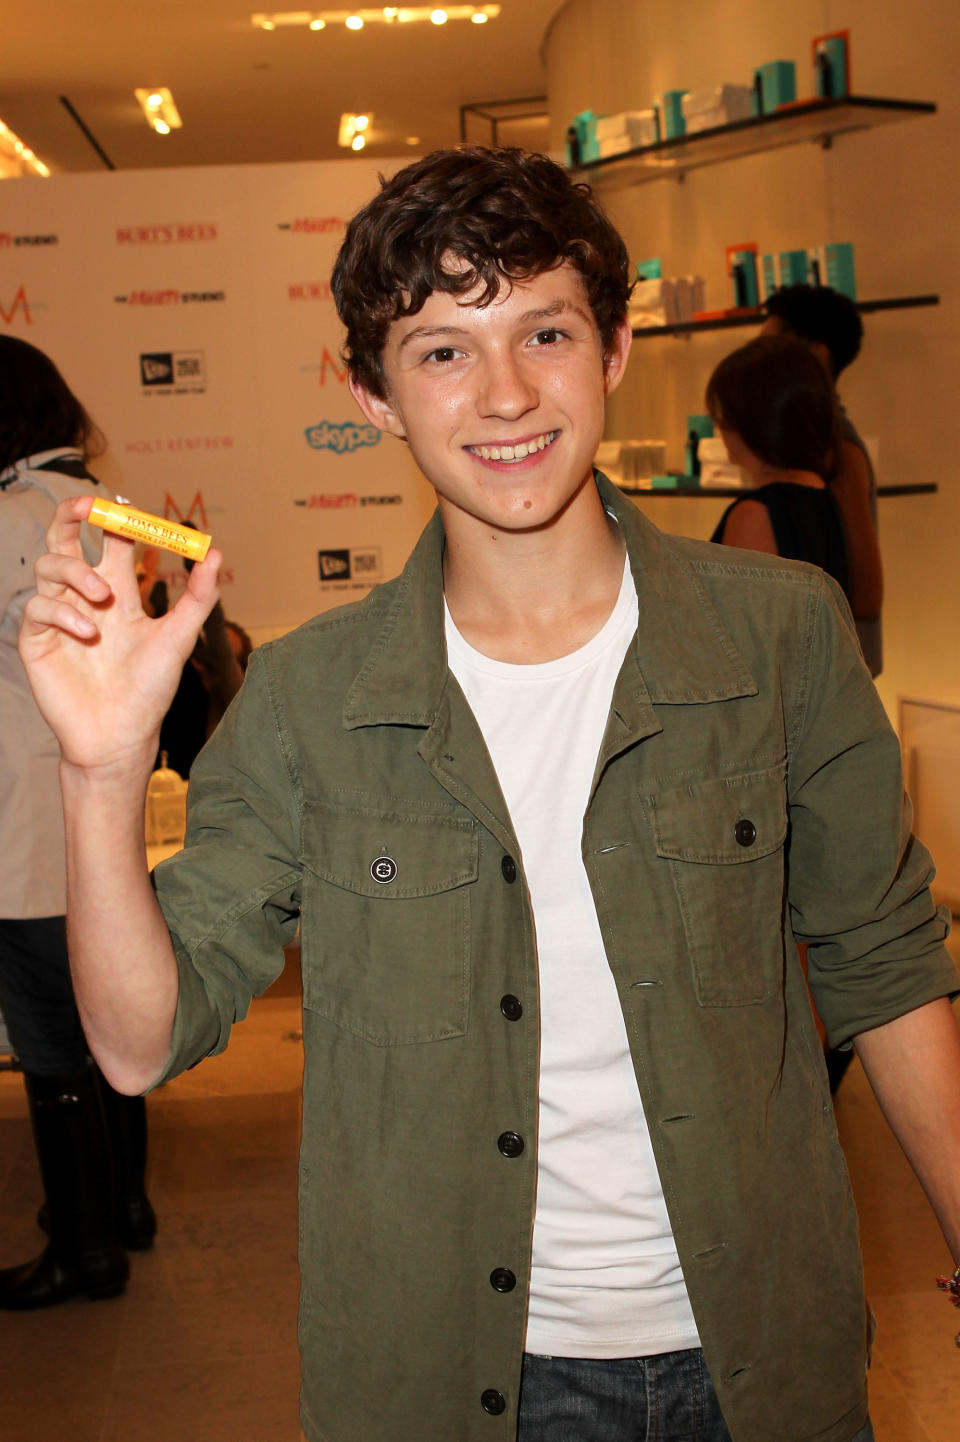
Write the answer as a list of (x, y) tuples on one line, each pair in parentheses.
[(654, 302), (716, 467), (632, 128), (720, 105)]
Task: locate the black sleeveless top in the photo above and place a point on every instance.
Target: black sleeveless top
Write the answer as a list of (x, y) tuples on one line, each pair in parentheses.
[(806, 525)]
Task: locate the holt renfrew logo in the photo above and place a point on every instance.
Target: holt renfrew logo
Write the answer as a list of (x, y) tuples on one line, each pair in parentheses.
[(171, 233)]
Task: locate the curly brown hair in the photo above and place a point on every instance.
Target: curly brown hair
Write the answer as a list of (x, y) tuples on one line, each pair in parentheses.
[(503, 215)]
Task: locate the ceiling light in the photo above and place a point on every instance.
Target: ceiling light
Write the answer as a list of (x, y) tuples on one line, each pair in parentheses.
[(382, 14), (354, 128), (413, 140), (12, 148), (158, 106)]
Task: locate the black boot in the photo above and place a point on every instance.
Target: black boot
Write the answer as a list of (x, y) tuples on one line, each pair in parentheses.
[(126, 1119), (127, 1128), (84, 1255)]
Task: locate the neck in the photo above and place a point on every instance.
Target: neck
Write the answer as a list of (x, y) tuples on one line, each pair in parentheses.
[(531, 596), (768, 475)]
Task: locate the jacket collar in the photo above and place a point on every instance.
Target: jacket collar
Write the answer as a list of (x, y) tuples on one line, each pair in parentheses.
[(683, 652)]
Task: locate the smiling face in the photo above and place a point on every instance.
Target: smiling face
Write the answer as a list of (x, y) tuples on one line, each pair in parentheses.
[(502, 405)]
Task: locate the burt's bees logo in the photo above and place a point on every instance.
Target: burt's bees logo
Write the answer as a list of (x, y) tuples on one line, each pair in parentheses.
[(171, 233)]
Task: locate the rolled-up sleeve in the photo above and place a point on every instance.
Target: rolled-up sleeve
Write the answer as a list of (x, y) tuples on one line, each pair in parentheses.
[(858, 887), (231, 897)]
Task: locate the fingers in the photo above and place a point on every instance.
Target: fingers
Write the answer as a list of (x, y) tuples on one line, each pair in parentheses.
[(63, 533), (56, 573), (43, 613)]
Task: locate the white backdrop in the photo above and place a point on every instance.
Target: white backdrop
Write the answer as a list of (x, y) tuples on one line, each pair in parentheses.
[(190, 311)]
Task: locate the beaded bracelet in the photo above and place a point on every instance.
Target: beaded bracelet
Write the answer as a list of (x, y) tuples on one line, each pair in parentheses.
[(951, 1285)]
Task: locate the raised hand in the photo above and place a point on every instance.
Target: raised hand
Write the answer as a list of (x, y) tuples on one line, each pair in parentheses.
[(104, 672)]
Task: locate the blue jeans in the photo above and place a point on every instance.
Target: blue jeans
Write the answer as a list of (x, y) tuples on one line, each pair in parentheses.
[(667, 1398)]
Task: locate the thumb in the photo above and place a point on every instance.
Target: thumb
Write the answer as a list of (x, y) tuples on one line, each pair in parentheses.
[(185, 619)]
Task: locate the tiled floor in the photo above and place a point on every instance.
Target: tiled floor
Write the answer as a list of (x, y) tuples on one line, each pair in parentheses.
[(202, 1347)]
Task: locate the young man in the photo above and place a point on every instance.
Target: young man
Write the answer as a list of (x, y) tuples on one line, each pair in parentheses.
[(568, 1155), (830, 324)]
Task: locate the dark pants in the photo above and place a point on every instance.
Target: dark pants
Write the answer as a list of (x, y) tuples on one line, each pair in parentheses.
[(668, 1398), (36, 997)]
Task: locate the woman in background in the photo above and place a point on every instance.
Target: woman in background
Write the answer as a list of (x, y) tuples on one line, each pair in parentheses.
[(775, 408), (90, 1140)]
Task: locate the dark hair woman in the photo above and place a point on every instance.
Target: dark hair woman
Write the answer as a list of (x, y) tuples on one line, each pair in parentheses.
[(775, 408), (91, 1142)]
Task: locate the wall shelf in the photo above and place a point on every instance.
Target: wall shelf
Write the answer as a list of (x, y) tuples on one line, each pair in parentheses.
[(816, 120), (756, 316), (710, 493)]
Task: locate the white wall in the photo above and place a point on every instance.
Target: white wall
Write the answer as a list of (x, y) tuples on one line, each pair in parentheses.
[(892, 191)]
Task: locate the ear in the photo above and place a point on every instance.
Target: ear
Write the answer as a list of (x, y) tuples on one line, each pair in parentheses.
[(616, 360), (379, 410)]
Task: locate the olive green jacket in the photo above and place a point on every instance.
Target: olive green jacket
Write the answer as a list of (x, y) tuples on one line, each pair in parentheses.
[(747, 793)]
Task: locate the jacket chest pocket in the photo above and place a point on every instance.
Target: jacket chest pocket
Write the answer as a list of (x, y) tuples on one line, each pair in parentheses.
[(723, 841), (386, 919)]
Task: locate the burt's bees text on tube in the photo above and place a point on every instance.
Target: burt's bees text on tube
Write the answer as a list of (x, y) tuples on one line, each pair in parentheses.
[(152, 530)]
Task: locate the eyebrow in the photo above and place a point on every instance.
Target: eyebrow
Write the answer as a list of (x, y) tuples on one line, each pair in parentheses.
[(529, 317)]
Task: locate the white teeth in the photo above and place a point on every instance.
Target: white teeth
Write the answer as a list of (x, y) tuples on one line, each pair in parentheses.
[(518, 452)]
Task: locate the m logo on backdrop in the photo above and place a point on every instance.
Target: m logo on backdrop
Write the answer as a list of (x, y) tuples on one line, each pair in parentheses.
[(341, 437), (173, 372), (197, 514), (19, 303), (329, 364)]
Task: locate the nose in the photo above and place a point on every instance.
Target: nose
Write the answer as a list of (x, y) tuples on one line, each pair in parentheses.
[(506, 388)]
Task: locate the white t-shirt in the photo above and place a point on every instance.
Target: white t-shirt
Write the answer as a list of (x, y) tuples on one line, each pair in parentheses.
[(606, 1280)]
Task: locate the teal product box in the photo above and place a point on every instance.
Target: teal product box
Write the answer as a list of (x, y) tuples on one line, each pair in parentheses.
[(582, 143), (793, 267), (773, 84), (697, 428), (669, 483), (670, 110), (650, 269), (831, 66), (839, 268)]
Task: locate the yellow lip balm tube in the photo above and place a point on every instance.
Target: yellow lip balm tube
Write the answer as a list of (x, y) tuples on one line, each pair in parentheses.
[(152, 530)]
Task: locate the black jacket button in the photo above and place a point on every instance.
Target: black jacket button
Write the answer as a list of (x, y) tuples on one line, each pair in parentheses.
[(509, 868), (511, 1008), (510, 1143), (502, 1279), (493, 1402), (745, 832)]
